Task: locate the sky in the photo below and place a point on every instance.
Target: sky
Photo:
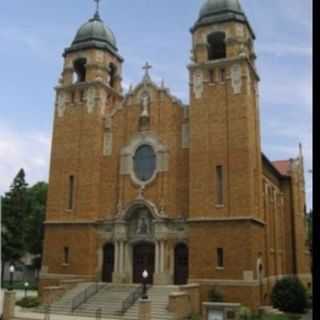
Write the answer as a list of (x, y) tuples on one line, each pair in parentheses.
[(32, 40)]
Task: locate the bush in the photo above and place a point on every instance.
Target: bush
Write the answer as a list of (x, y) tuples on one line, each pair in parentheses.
[(28, 302), (245, 313), (289, 295), (215, 295)]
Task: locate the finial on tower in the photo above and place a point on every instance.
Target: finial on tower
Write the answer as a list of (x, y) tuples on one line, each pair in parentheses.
[(146, 68), (97, 14)]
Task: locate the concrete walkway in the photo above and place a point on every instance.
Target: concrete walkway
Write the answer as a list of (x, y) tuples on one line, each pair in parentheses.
[(307, 316)]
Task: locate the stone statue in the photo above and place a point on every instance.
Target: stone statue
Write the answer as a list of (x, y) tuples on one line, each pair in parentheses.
[(143, 225)]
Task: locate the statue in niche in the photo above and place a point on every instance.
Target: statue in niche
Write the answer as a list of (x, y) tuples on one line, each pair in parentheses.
[(143, 226)]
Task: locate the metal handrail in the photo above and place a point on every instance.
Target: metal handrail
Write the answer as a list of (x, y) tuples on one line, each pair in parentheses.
[(99, 314), (84, 296), (47, 311), (131, 299)]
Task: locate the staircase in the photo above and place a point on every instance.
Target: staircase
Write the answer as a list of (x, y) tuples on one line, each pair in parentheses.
[(159, 296), (109, 299)]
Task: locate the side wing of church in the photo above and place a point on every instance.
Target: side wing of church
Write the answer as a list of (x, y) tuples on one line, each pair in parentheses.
[(140, 181)]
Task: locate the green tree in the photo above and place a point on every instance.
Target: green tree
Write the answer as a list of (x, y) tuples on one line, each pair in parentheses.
[(34, 230), (14, 212)]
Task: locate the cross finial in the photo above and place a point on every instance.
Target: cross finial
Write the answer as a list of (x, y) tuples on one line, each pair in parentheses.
[(146, 68), (97, 14)]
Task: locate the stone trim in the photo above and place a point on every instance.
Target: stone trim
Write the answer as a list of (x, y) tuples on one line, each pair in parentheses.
[(226, 219), (59, 276), (228, 282), (53, 222)]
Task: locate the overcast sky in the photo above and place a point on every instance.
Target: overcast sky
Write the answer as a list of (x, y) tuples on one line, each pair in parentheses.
[(34, 33)]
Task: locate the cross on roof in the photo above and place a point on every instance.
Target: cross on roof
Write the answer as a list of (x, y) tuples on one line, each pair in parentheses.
[(147, 67), (98, 5)]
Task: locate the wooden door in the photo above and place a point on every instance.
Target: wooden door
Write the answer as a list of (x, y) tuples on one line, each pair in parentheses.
[(143, 259), (108, 262), (181, 264)]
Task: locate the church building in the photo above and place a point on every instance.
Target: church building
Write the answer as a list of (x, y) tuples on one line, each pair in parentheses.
[(141, 181)]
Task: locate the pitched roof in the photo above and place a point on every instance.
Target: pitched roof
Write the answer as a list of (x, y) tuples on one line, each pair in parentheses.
[(283, 166)]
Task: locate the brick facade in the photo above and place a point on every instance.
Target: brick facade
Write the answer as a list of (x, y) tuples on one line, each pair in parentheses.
[(97, 132)]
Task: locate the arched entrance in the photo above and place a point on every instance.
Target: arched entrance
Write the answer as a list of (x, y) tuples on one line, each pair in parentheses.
[(143, 259), (108, 262), (181, 264)]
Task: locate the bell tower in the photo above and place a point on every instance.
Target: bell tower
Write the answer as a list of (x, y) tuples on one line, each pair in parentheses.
[(225, 152), (87, 92)]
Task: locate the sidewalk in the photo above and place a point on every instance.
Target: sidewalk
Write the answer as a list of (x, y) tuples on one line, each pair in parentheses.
[(25, 315), (307, 316)]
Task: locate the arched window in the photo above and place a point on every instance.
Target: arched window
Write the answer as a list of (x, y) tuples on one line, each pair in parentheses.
[(144, 162), (79, 67), (216, 46), (112, 73)]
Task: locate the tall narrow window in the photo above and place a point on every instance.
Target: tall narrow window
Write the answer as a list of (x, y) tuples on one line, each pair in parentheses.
[(220, 258), (66, 255), (222, 75), (220, 185), (71, 193), (211, 76), (79, 67)]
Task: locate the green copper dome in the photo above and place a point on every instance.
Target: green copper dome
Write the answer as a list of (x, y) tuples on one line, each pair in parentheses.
[(94, 34), (218, 11)]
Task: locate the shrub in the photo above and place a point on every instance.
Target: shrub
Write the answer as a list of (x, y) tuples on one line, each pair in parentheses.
[(289, 295), (215, 295), (245, 313), (28, 302)]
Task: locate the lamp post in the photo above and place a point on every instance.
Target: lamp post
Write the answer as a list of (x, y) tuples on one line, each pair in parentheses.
[(11, 271), (26, 286), (145, 276)]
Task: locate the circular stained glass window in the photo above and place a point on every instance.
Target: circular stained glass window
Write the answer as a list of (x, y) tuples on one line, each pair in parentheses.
[(144, 163)]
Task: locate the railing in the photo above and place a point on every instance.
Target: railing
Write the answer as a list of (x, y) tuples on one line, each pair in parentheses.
[(131, 299), (47, 311), (98, 314), (84, 296)]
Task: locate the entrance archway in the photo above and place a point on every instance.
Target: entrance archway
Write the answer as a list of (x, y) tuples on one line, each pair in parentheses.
[(143, 259), (181, 264), (108, 262)]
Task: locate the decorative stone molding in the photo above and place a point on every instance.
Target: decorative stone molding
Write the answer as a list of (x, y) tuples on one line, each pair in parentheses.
[(248, 275), (240, 30), (91, 99), (236, 80), (107, 150), (128, 152), (198, 84), (61, 107)]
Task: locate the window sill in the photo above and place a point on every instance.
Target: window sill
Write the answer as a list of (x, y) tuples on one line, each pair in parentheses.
[(220, 268), (219, 206), (65, 265), (68, 210)]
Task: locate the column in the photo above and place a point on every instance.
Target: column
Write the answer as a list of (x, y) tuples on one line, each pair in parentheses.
[(157, 257), (121, 256), (116, 256), (161, 256)]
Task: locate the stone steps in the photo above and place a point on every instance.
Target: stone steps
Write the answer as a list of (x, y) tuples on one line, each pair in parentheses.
[(109, 299)]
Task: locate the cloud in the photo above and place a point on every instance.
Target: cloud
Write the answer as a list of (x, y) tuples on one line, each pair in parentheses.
[(27, 150)]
